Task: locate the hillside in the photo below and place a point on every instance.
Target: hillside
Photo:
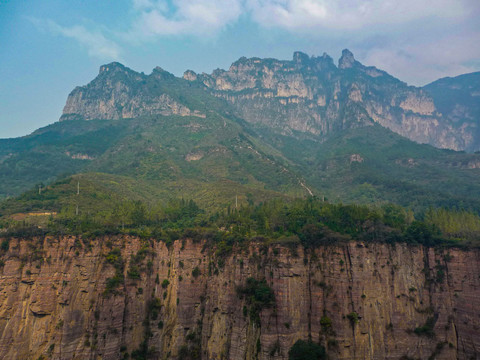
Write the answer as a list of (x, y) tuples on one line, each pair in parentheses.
[(265, 128), (214, 160)]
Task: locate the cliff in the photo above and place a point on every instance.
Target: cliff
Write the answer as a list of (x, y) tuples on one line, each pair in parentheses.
[(119, 92), (312, 95), (307, 95), (65, 298)]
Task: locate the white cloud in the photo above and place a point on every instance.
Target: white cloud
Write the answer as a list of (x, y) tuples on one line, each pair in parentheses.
[(349, 14), (95, 42), (415, 40), (201, 17), (421, 62), (206, 17)]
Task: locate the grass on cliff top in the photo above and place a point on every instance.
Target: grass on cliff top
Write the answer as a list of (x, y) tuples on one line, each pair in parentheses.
[(310, 222)]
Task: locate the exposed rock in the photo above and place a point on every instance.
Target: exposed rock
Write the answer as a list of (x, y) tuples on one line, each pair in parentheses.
[(347, 60), (474, 164), (419, 104), (190, 75), (194, 156), (394, 289), (319, 98), (407, 162), (79, 156), (307, 94), (356, 158), (118, 93)]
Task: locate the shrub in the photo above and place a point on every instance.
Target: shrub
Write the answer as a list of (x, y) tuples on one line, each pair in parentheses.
[(112, 284), (325, 322), (258, 296), (196, 272), (427, 328), (306, 350), (133, 272), (353, 317), (5, 245)]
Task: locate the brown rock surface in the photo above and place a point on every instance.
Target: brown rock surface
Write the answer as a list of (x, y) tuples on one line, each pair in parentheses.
[(53, 301)]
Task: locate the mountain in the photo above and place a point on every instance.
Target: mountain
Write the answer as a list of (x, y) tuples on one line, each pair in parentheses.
[(202, 218), (309, 95), (458, 99), (265, 128)]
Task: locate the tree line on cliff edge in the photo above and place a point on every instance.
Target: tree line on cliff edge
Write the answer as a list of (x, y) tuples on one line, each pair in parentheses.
[(310, 222)]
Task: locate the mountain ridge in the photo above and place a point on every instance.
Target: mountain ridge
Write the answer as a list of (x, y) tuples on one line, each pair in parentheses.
[(307, 94), (263, 128)]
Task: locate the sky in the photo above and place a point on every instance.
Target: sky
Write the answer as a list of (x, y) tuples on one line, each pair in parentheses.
[(47, 47)]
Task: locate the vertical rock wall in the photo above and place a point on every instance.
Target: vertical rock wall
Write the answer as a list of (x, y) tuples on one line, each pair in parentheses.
[(53, 302)]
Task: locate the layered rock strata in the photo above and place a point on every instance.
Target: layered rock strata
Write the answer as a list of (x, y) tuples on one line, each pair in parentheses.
[(360, 301)]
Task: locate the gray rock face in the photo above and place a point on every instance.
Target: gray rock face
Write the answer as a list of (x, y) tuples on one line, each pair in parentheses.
[(118, 92), (308, 95), (347, 60), (312, 95), (458, 99)]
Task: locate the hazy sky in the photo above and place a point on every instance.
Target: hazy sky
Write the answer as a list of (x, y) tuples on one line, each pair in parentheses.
[(48, 47)]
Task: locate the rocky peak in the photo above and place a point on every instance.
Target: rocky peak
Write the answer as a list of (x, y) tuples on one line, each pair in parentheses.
[(324, 62), (190, 75), (313, 87), (300, 58), (347, 60), (161, 74), (325, 58), (113, 67)]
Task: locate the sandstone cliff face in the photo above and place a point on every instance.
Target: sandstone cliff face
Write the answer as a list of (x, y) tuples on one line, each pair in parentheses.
[(53, 301)]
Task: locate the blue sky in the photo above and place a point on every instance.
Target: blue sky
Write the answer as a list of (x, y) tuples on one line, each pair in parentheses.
[(50, 46)]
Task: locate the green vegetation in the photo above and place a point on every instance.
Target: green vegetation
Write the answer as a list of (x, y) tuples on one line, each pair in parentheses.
[(310, 222), (455, 224), (196, 272), (427, 328), (326, 323), (306, 350), (392, 170), (149, 159), (193, 347), (258, 296), (114, 257), (353, 317)]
